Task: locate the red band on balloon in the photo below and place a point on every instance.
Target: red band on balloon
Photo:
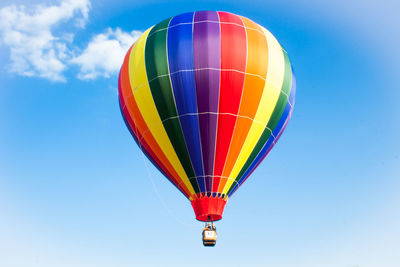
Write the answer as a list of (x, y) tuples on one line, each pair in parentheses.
[(208, 208)]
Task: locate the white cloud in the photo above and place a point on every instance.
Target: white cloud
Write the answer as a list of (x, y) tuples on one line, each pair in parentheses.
[(105, 53), (38, 48), (34, 49)]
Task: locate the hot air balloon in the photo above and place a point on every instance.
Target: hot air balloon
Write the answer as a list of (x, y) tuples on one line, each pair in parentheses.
[(206, 95)]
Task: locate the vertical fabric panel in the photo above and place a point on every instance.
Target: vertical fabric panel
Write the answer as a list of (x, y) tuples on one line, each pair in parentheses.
[(274, 120), (271, 141), (181, 67), (137, 126), (254, 83), (273, 84), (207, 63), (145, 103), (233, 65), (147, 150), (157, 70)]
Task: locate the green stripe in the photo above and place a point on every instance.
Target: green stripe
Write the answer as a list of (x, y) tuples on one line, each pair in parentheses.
[(161, 90), (273, 121)]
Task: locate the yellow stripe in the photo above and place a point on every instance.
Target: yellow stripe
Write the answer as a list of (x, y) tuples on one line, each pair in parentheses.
[(273, 84), (147, 107)]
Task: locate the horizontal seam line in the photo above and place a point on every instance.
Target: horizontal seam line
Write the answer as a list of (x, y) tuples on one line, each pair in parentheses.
[(205, 21)]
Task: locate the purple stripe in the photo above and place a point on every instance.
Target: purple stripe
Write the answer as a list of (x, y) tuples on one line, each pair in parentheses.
[(207, 54), (206, 16)]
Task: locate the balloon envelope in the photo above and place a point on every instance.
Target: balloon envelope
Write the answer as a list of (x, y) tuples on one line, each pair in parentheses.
[(206, 95)]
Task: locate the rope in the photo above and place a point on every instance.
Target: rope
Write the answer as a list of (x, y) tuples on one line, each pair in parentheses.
[(165, 206)]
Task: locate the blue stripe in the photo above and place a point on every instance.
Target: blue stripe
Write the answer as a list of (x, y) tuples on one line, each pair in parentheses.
[(271, 139), (180, 57)]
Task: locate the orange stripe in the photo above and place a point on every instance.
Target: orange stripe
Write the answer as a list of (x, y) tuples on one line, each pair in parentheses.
[(257, 62), (141, 125)]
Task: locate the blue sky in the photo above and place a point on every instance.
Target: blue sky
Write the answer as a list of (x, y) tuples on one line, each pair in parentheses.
[(76, 191)]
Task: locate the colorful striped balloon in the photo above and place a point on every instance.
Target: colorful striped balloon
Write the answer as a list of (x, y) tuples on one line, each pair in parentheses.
[(206, 95)]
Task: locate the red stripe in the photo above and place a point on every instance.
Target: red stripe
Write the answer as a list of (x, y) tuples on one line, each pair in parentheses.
[(257, 63), (233, 57)]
